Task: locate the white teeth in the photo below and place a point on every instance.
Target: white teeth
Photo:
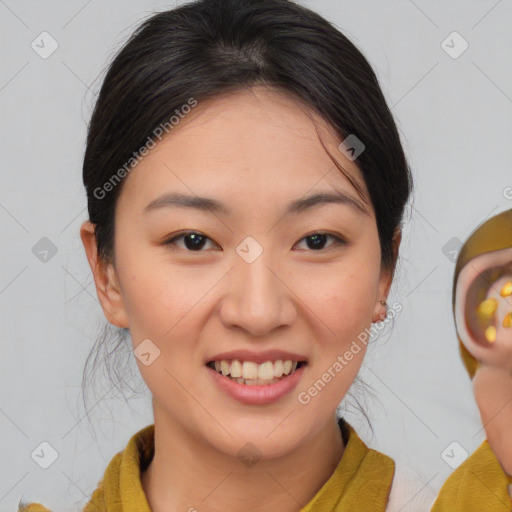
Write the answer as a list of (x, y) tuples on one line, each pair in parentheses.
[(249, 370), (236, 368), (251, 373), (266, 371), (224, 367), (256, 382)]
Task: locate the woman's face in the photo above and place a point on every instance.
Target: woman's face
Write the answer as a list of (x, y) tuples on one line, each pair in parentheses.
[(255, 277)]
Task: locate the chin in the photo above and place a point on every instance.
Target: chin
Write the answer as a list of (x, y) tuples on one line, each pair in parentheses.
[(249, 440)]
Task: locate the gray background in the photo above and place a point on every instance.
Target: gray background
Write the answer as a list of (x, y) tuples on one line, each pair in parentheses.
[(455, 118)]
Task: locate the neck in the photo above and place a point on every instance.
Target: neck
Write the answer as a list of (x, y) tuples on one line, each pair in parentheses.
[(188, 474)]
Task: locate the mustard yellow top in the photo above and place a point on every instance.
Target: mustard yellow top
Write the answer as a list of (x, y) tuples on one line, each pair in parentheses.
[(479, 484), (361, 481)]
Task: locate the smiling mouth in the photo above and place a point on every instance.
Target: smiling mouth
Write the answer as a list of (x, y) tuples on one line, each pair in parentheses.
[(252, 374)]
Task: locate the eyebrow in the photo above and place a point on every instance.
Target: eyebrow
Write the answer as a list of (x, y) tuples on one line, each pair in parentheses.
[(179, 200)]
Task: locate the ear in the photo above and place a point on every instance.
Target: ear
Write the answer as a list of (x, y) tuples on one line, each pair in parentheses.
[(105, 278), (386, 279), (487, 337)]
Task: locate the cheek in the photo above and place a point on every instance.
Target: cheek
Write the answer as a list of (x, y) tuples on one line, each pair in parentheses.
[(330, 378), (343, 298), (152, 286), (156, 295), (161, 308)]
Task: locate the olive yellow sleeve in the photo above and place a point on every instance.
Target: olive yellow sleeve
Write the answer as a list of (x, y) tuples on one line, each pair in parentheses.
[(479, 484)]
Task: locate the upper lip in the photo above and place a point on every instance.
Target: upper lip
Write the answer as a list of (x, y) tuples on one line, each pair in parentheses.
[(257, 357)]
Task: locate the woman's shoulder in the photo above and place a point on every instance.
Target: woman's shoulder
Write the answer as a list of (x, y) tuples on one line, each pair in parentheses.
[(364, 475), (135, 457), (368, 458), (479, 483)]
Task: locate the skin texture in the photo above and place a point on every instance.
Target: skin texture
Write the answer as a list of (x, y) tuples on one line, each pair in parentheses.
[(254, 150), (482, 278)]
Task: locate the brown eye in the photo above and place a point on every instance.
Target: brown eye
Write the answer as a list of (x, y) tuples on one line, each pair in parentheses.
[(317, 241), (193, 241)]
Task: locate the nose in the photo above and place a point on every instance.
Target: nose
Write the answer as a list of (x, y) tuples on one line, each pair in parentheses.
[(258, 299)]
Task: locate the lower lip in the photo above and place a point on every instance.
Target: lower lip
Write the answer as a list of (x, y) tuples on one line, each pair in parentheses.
[(257, 395)]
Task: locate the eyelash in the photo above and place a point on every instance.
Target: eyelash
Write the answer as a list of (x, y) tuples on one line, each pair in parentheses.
[(337, 240)]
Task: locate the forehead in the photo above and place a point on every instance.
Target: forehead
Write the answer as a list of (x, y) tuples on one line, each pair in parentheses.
[(259, 141)]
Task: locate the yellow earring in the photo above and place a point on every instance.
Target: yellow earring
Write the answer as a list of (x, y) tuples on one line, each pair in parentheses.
[(485, 313), (506, 290), (490, 334), (487, 308)]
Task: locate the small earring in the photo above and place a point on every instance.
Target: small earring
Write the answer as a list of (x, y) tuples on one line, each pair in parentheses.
[(486, 309), (490, 334), (485, 313), (385, 304), (506, 291)]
